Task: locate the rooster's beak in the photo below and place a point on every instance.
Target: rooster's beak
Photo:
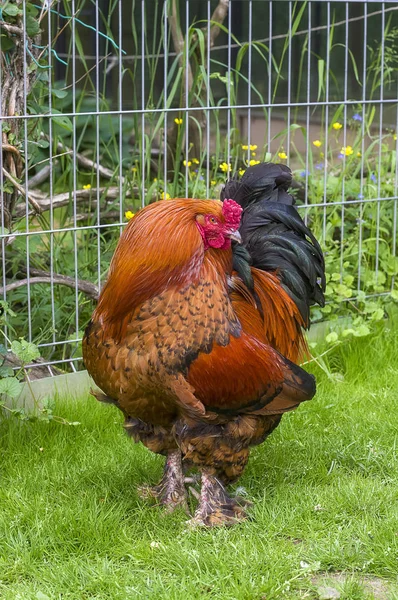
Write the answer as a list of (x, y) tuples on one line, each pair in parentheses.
[(235, 235)]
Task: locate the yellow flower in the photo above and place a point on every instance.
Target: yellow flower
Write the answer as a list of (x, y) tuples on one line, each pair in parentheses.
[(359, 154), (178, 121), (129, 215), (395, 136), (87, 187), (195, 161), (213, 182), (253, 146), (253, 154), (155, 179), (245, 147), (241, 172), (134, 169), (347, 150), (165, 196), (225, 167), (282, 155), (186, 164), (317, 143), (253, 162), (337, 126)]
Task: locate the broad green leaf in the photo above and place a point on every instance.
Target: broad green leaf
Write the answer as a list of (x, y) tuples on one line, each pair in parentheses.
[(12, 10), (347, 332), (10, 386), (6, 43), (63, 122), (32, 26), (25, 351), (59, 93), (6, 371), (332, 337), (362, 331), (378, 314)]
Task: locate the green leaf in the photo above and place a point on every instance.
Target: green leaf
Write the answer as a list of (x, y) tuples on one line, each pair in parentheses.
[(12, 10), (343, 290), (10, 386), (59, 93), (32, 26), (348, 280), (332, 337), (6, 371), (326, 309), (25, 351), (63, 122), (394, 295), (362, 331), (347, 332), (6, 43), (378, 315)]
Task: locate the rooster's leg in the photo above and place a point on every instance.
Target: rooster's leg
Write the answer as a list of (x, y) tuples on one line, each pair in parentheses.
[(170, 491), (215, 506)]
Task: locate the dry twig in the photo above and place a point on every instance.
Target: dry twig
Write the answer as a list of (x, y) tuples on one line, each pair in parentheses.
[(22, 191), (88, 288), (58, 200), (85, 162)]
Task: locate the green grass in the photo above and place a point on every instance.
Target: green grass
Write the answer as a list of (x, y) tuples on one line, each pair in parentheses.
[(72, 526)]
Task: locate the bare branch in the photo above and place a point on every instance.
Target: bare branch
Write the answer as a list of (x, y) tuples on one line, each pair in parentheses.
[(11, 28), (63, 199), (40, 177), (178, 42), (218, 18), (88, 288), (22, 191), (87, 163)]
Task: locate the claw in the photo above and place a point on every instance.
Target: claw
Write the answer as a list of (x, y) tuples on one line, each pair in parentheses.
[(170, 491), (216, 507)]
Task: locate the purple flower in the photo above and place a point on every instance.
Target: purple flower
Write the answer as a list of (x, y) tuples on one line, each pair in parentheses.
[(373, 178), (361, 196), (357, 117), (304, 173), (319, 166), (340, 155)]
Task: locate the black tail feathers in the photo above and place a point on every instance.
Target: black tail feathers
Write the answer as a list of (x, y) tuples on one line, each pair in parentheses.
[(275, 236)]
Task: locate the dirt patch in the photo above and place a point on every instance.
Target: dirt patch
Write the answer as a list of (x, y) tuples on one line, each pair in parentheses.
[(377, 588)]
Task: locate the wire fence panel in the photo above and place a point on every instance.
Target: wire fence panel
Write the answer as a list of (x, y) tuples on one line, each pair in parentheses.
[(108, 106)]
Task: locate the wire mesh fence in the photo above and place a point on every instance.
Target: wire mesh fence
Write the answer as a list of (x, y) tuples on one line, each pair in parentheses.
[(109, 105)]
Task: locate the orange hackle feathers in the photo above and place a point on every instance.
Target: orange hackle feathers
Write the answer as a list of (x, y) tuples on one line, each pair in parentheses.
[(160, 247), (283, 323)]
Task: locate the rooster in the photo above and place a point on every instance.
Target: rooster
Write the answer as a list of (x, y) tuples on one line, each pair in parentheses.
[(199, 328)]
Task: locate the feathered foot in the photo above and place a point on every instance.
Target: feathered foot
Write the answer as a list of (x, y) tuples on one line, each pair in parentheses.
[(215, 506), (170, 491)]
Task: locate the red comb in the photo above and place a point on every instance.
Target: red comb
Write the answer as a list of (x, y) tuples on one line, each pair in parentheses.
[(232, 212)]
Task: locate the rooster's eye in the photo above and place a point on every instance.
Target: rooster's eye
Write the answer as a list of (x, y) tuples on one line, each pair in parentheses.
[(213, 220)]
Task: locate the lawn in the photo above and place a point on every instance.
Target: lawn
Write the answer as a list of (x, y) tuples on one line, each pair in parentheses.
[(324, 486)]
